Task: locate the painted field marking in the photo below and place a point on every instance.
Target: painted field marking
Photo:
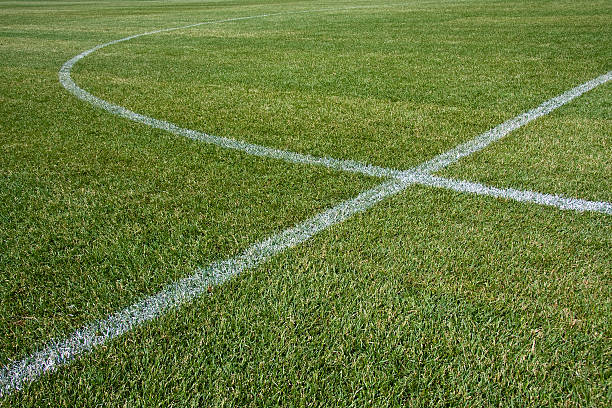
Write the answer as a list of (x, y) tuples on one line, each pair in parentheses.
[(56, 353), (525, 196), (249, 148)]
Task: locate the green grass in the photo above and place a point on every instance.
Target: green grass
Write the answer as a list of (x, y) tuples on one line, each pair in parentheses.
[(430, 298)]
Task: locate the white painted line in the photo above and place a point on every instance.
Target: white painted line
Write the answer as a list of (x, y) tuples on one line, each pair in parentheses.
[(55, 354), (485, 139), (249, 148), (526, 196)]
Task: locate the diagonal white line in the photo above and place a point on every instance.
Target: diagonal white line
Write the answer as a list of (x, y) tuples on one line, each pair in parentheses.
[(431, 166), (55, 354), (485, 139)]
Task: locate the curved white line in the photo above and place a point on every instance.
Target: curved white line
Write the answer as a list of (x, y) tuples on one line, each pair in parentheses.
[(250, 148), (525, 196)]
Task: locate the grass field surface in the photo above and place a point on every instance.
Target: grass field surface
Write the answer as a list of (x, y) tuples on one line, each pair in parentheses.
[(431, 297)]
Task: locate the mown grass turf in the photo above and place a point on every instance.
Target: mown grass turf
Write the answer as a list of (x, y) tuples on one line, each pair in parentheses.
[(412, 302), (430, 298)]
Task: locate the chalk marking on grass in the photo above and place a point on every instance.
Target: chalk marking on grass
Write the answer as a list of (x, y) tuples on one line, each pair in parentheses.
[(437, 163), (526, 196), (441, 161), (185, 290), (56, 353), (250, 148)]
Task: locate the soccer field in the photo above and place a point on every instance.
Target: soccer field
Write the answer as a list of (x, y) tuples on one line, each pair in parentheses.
[(306, 203)]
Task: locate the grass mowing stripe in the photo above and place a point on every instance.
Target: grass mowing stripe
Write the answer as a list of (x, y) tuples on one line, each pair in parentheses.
[(526, 196), (57, 353), (437, 163)]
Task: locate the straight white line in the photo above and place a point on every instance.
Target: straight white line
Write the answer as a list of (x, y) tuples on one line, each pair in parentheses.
[(431, 166), (55, 354), (485, 139), (563, 203)]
